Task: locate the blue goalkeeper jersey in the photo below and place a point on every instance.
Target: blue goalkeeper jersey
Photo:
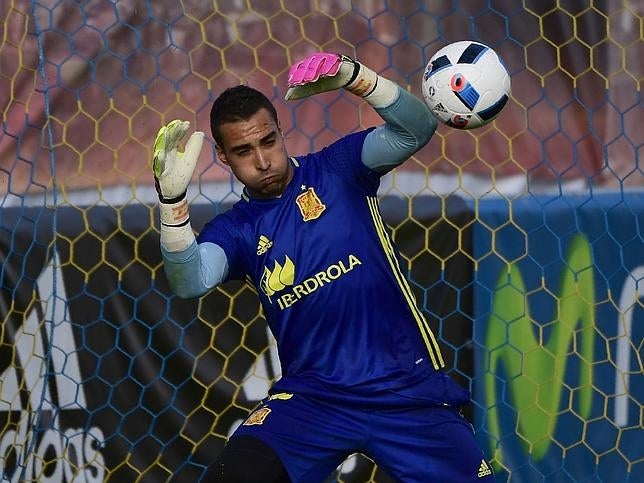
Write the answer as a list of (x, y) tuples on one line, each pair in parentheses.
[(331, 285)]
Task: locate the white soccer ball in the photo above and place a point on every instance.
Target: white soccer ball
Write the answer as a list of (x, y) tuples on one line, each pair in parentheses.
[(465, 84)]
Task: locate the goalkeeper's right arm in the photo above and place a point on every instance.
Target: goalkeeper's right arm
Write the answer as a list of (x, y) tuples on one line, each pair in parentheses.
[(192, 269)]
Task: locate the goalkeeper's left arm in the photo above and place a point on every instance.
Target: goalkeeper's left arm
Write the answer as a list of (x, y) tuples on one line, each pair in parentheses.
[(409, 124), (191, 269)]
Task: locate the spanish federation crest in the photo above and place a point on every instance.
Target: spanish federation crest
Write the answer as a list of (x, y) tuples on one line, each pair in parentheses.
[(310, 205), (257, 417)]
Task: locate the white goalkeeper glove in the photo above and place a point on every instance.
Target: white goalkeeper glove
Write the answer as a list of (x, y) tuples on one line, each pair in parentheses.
[(173, 171), (323, 72)]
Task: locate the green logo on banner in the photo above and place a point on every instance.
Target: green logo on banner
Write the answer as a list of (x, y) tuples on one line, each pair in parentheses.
[(534, 355)]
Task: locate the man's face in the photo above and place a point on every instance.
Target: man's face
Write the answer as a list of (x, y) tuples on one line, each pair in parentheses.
[(255, 151)]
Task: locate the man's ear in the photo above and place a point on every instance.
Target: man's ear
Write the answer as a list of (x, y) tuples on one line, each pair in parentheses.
[(221, 155)]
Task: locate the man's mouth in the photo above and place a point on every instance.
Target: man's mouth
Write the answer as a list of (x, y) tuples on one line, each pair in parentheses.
[(269, 179)]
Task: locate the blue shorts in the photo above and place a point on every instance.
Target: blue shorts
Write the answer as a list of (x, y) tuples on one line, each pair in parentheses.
[(418, 444)]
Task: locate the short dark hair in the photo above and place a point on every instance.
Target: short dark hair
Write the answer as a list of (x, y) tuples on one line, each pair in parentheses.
[(237, 103)]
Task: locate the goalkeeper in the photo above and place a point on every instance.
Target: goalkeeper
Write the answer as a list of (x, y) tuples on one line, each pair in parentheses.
[(361, 369)]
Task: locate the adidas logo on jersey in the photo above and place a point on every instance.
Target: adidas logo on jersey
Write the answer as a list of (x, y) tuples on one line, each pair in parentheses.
[(484, 469), (43, 408), (263, 244)]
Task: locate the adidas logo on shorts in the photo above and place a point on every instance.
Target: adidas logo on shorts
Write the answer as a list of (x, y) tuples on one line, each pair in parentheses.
[(484, 469)]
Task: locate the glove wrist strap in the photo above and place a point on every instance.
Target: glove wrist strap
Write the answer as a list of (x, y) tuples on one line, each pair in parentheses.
[(378, 91), (171, 201), (363, 80), (174, 212), (176, 231)]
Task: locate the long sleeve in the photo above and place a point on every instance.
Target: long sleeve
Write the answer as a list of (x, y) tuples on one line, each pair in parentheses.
[(194, 271), (409, 125)]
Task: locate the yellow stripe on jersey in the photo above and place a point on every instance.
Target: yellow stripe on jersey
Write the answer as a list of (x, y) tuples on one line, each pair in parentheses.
[(428, 336)]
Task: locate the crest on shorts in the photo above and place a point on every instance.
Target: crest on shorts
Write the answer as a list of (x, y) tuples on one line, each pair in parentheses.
[(257, 417), (310, 205)]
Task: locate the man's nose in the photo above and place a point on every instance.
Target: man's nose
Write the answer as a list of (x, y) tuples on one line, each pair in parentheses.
[(262, 161)]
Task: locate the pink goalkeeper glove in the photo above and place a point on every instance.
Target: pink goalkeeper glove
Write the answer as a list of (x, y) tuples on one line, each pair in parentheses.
[(322, 72)]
